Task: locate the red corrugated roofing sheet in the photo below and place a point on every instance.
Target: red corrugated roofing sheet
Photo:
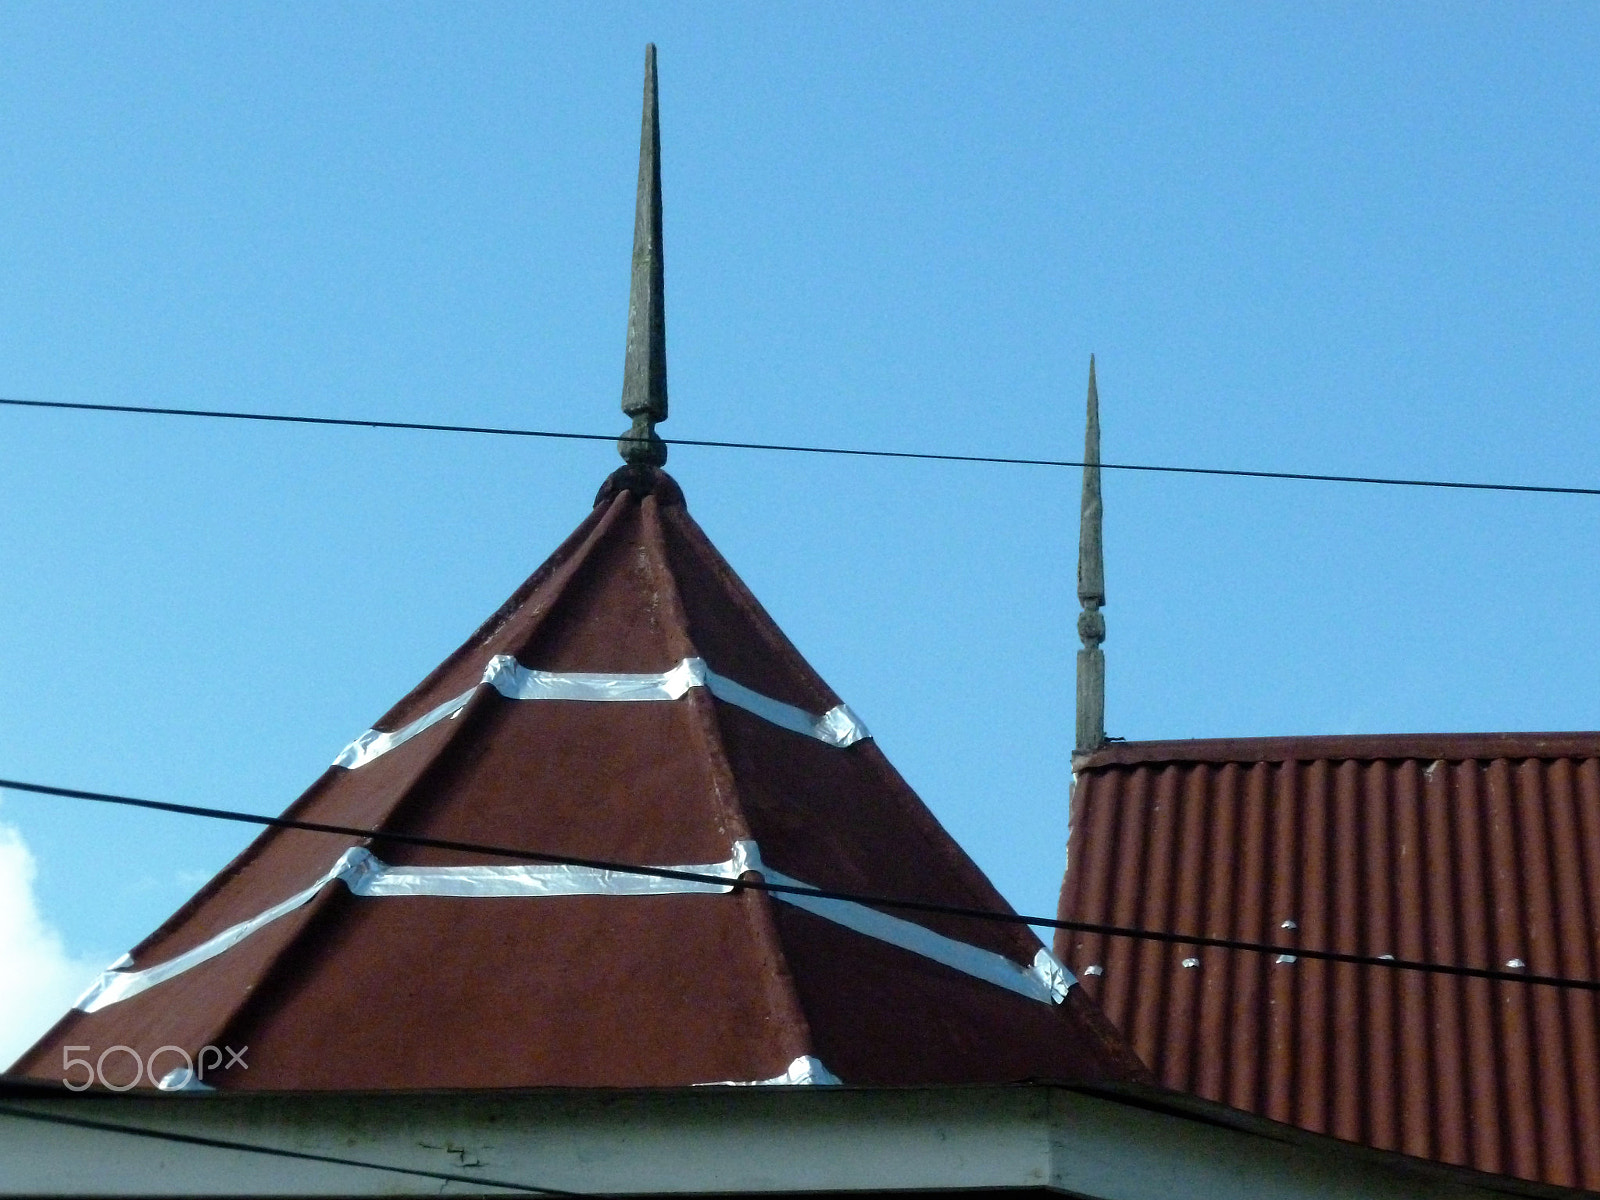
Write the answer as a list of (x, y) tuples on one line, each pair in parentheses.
[(1482, 850)]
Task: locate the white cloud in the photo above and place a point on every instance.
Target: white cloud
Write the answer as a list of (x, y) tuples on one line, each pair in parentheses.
[(39, 979)]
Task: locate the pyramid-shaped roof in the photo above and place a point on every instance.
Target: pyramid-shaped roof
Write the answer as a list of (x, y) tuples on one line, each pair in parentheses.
[(633, 702)]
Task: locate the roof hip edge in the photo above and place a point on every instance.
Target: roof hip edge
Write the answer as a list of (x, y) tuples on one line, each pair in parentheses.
[(793, 1026)]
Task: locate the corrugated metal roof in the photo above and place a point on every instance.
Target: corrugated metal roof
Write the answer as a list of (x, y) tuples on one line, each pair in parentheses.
[(1482, 850), (445, 991)]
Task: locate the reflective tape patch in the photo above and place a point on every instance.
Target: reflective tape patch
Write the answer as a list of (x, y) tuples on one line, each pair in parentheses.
[(803, 1070), (367, 875), (1044, 980), (543, 879), (374, 742), (837, 727)]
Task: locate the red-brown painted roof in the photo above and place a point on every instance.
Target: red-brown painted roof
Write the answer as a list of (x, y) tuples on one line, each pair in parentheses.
[(1477, 849), (362, 992)]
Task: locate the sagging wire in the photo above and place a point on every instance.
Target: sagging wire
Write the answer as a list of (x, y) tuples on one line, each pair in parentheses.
[(917, 455), (754, 882)]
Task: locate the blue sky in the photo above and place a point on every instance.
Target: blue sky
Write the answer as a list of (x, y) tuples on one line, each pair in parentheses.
[(1343, 238)]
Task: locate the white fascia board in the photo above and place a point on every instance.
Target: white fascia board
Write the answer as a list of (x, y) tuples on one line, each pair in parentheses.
[(1120, 1151), (705, 1139), (685, 1141)]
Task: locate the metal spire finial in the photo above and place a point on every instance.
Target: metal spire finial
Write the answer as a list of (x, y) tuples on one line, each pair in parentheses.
[(644, 374), (1091, 589)]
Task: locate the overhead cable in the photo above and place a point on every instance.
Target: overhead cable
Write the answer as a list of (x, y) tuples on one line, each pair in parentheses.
[(190, 1139), (1284, 951), (918, 455)]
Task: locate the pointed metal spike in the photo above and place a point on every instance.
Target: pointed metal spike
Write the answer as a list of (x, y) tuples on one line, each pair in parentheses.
[(1091, 730), (1091, 562), (644, 375)]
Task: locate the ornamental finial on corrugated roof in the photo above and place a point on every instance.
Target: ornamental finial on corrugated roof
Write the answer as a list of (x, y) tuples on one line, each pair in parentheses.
[(1091, 588), (644, 375)]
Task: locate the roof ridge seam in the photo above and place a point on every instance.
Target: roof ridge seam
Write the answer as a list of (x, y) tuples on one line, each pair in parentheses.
[(794, 1026), (1541, 745)]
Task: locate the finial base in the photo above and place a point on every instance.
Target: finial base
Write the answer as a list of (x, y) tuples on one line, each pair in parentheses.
[(641, 446), (640, 481)]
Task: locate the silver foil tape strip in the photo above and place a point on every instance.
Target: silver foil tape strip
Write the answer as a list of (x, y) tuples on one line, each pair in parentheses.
[(367, 875), (837, 727), (1044, 980)]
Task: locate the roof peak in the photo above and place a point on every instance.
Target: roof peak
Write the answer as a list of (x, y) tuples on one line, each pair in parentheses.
[(644, 373), (640, 480)]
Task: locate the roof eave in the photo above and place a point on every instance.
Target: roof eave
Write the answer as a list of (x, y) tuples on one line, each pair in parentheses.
[(1129, 1143)]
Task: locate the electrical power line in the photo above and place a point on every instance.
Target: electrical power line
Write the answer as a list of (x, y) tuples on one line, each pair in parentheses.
[(924, 456), (925, 906), (189, 1139)]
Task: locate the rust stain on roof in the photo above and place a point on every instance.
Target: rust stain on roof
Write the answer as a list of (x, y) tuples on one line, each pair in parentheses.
[(1477, 849), (443, 991)]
